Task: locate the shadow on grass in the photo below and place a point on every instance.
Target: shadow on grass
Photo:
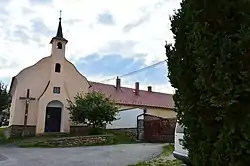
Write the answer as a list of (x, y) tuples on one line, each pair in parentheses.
[(167, 163), (161, 160), (11, 141)]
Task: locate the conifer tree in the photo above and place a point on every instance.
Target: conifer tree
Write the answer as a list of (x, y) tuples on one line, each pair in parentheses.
[(209, 66)]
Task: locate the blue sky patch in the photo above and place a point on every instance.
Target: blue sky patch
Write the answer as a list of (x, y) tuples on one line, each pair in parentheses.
[(38, 26), (106, 18), (116, 65), (40, 2)]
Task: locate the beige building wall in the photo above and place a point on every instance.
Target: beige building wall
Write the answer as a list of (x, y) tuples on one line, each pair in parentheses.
[(161, 112), (164, 113), (34, 78)]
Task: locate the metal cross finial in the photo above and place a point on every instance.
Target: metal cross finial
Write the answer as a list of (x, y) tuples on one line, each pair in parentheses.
[(60, 14)]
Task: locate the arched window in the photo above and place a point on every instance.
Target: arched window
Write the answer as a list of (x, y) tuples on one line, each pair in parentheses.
[(59, 45), (58, 68)]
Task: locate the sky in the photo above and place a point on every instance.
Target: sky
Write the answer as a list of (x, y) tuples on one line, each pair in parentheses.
[(106, 38)]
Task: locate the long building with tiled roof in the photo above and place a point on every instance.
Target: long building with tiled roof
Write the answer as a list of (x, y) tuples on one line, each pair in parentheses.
[(134, 96)]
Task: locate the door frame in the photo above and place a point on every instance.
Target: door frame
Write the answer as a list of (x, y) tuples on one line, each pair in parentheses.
[(57, 118), (57, 104)]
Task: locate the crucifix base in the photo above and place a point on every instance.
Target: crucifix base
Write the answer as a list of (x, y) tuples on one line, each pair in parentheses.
[(27, 102), (17, 131)]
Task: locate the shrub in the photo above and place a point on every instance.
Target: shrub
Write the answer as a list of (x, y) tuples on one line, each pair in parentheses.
[(93, 109)]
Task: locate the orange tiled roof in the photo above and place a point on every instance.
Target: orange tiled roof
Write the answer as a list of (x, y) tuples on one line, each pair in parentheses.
[(126, 96)]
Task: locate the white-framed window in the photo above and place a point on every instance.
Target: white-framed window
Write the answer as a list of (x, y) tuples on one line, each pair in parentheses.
[(56, 90)]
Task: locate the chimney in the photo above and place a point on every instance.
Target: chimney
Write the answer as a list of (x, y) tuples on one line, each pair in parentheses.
[(137, 88), (118, 83), (149, 88)]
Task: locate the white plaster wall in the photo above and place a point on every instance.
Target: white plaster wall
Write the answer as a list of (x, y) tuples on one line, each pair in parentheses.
[(34, 78), (128, 119)]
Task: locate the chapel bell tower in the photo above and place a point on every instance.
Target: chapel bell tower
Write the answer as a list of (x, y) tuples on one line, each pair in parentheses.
[(58, 43), (57, 61)]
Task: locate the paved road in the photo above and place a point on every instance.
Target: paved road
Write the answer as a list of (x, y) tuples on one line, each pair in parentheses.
[(116, 155)]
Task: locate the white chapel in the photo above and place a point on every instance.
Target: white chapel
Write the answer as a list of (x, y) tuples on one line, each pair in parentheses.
[(40, 92)]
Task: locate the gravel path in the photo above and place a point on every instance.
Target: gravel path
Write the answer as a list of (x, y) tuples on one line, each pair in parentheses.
[(115, 155)]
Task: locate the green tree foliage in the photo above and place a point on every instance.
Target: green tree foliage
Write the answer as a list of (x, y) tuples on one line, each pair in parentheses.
[(93, 109), (4, 97), (209, 65)]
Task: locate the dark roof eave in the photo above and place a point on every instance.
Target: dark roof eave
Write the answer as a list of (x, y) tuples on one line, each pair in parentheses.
[(11, 84), (58, 38)]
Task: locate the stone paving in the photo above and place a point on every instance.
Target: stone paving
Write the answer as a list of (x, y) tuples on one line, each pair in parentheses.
[(115, 155)]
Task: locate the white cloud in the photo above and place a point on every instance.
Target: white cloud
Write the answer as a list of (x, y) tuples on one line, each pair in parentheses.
[(85, 35), (164, 87)]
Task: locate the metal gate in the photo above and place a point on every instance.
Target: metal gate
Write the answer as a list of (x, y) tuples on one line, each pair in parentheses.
[(157, 129)]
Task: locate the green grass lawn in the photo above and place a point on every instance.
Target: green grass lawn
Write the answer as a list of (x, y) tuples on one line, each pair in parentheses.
[(67, 140), (167, 163), (1, 134), (2, 139), (162, 159)]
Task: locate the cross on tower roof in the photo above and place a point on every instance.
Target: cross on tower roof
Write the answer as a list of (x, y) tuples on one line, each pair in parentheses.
[(60, 14), (59, 34)]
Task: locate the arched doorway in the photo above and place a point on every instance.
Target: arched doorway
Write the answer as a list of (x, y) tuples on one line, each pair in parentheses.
[(53, 116)]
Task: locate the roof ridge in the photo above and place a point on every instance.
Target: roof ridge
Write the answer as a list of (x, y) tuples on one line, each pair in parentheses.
[(131, 88)]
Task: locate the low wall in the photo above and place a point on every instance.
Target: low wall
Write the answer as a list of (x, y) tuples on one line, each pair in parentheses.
[(131, 132), (136, 133), (16, 131), (79, 130)]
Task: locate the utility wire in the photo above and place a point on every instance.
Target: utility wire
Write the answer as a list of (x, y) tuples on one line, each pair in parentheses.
[(136, 71)]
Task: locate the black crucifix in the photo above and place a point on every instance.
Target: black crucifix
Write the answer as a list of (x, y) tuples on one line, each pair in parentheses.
[(27, 102)]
